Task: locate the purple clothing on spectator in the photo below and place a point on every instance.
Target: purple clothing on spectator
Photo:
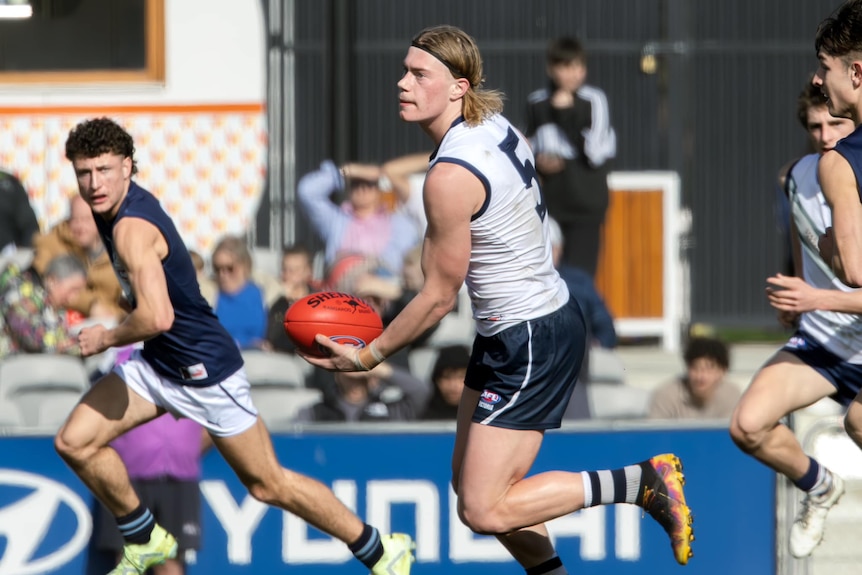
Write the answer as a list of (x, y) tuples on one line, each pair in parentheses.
[(163, 447)]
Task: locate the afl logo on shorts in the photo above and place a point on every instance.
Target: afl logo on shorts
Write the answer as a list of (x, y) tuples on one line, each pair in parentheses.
[(489, 399)]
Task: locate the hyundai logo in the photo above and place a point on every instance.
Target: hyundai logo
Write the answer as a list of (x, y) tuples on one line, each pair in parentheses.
[(32, 546)]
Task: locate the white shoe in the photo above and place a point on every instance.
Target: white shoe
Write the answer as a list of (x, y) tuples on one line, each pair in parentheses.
[(807, 530)]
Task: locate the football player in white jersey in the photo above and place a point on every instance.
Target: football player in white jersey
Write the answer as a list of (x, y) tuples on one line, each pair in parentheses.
[(824, 357), (488, 228)]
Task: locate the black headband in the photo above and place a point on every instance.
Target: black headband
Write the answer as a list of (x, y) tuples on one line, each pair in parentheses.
[(455, 71)]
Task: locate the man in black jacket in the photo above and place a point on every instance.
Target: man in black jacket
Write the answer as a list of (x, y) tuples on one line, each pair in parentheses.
[(569, 127)]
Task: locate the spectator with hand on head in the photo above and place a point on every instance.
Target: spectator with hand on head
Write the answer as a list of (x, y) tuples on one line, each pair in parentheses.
[(360, 225), (406, 176)]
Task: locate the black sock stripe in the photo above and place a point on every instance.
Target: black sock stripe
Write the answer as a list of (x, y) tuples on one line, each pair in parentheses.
[(620, 490), (596, 487)]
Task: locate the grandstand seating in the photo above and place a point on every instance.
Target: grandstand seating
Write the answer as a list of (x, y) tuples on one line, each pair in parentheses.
[(31, 381), (278, 405), (275, 368), (617, 400), (10, 415)]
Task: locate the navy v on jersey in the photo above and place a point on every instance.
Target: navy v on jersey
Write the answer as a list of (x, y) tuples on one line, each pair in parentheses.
[(196, 350)]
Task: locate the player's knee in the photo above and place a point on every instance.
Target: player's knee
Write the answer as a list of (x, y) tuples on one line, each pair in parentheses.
[(71, 448), (481, 521), (746, 433), (269, 487)]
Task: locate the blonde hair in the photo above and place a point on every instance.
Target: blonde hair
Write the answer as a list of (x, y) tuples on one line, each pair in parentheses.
[(459, 52)]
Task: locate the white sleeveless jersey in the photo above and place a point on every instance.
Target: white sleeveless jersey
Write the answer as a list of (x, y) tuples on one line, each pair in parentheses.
[(840, 333), (511, 277)]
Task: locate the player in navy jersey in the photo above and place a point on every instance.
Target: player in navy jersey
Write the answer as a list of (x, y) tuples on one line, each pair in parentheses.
[(189, 366), (839, 49), (488, 227)]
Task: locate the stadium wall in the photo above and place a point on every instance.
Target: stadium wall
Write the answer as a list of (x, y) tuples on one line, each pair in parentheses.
[(398, 478)]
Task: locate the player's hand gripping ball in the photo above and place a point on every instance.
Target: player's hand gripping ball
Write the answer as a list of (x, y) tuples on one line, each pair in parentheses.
[(343, 318)]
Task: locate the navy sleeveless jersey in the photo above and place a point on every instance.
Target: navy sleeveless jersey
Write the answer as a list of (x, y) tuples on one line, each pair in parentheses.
[(851, 148), (196, 350)]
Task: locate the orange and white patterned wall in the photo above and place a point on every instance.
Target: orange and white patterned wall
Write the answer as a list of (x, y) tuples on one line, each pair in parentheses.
[(206, 164)]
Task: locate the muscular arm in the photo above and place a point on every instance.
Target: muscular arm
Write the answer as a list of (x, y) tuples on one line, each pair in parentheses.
[(141, 247), (840, 189), (452, 195)]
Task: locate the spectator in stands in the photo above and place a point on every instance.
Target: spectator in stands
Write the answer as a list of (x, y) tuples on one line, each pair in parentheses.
[(297, 281), (360, 225), (18, 223), (600, 323), (209, 289), (569, 127), (447, 377), (703, 392), (33, 315), (163, 459), (406, 176), (386, 393), (78, 236), (240, 304)]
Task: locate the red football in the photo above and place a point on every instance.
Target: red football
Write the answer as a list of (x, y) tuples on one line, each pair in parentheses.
[(344, 318)]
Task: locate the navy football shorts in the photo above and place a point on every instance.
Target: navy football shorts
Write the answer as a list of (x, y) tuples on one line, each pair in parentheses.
[(845, 376), (527, 372)]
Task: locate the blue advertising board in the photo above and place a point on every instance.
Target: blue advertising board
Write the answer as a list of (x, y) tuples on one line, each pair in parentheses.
[(400, 481)]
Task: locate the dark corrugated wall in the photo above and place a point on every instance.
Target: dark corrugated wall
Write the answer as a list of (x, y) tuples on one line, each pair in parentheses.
[(720, 110)]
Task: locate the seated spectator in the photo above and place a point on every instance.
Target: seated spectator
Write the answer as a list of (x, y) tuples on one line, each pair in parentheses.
[(297, 281), (386, 393), (209, 289), (447, 377), (33, 316), (361, 224), (239, 302), (18, 223), (78, 236), (703, 392)]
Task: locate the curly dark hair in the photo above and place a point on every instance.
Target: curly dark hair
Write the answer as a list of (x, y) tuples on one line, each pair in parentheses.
[(92, 138), (709, 348)]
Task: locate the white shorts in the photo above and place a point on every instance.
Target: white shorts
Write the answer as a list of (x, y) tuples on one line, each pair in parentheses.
[(225, 409)]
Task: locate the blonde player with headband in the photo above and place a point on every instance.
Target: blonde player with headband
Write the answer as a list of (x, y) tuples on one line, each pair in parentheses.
[(488, 226)]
